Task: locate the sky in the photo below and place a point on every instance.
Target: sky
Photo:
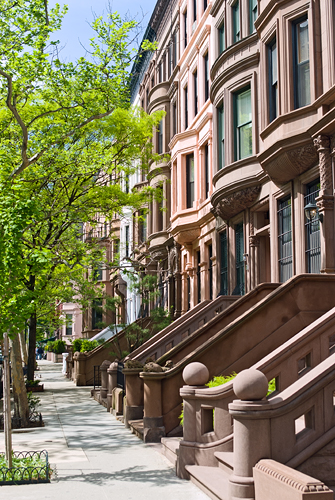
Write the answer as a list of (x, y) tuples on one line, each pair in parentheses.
[(76, 27)]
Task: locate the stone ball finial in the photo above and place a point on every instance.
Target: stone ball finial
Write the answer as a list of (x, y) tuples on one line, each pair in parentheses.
[(195, 374), (250, 385)]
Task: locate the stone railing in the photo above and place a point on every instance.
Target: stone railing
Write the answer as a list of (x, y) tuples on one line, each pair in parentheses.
[(204, 435), (275, 481), (290, 428), (245, 340), (182, 328)]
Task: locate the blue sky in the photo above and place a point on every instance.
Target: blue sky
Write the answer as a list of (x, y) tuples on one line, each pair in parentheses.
[(76, 27)]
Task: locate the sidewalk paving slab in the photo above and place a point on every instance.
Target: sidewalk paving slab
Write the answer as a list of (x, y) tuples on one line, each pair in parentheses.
[(93, 454)]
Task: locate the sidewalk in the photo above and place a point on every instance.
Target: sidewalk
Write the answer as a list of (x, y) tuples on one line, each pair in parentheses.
[(95, 456)]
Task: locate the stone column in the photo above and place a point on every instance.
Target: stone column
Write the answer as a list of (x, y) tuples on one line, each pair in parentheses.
[(325, 203), (134, 394), (111, 382), (65, 355), (195, 375), (80, 368), (251, 434), (153, 422)]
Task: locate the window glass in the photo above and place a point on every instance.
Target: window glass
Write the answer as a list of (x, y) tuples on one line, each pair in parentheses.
[(206, 62), (195, 88), (243, 124), (222, 41), (302, 94), (236, 22), (285, 239), (221, 137), (253, 15), (273, 80), (186, 106), (312, 230), (190, 180)]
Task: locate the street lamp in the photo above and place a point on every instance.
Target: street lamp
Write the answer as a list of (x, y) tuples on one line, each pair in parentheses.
[(311, 212)]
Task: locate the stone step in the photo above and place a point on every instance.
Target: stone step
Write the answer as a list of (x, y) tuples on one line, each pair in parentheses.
[(226, 460), (212, 480), (170, 448), (136, 427)]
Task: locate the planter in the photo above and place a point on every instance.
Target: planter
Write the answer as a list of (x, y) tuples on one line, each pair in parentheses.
[(35, 388), (35, 468)]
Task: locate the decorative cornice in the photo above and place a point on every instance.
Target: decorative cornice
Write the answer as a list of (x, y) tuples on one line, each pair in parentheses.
[(269, 468)]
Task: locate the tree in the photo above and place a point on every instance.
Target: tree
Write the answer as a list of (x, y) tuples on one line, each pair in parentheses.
[(66, 136)]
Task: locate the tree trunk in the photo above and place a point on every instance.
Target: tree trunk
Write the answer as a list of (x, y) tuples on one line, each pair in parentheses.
[(18, 381), (32, 347), (24, 351)]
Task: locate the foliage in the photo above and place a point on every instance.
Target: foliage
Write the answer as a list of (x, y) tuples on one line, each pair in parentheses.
[(89, 345), (31, 467), (76, 345), (33, 402), (56, 346), (32, 383), (221, 379)]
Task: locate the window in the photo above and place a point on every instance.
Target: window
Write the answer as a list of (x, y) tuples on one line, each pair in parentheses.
[(142, 227), (221, 136), (210, 271), (239, 260), (147, 96), (199, 275), (96, 314), (206, 158), (195, 88), (205, 4), (194, 15), (224, 264), (160, 137), (243, 124), (222, 40), (301, 74), (160, 72), (127, 240), (189, 180), (152, 81), (253, 14), (273, 80), (174, 118), (97, 272), (206, 62), (236, 22), (185, 29), (285, 239), (186, 106), (68, 324), (312, 230), (174, 51)]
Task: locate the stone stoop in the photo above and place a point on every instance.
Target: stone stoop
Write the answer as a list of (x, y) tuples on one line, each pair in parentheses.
[(170, 448), (136, 427), (226, 461), (213, 481)]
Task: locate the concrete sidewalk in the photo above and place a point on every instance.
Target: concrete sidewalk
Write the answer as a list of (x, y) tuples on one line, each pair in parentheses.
[(94, 455)]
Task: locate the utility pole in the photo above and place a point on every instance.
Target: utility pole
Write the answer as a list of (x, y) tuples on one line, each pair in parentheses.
[(7, 417)]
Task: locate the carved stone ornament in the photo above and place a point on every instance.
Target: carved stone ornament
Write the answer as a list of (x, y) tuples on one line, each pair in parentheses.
[(254, 241), (187, 236), (325, 203), (287, 165), (322, 145), (174, 258), (236, 202)]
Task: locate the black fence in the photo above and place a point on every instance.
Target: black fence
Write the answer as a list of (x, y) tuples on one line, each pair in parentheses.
[(97, 377), (120, 377), (28, 467)]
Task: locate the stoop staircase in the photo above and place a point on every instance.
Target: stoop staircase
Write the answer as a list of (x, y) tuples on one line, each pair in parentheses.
[(294, 426)]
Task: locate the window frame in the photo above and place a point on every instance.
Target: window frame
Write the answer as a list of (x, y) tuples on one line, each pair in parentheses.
[(190, 183), (237, 127), (297, 66), (272, 88)]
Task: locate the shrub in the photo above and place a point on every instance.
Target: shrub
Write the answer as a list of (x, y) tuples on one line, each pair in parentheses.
[(59, 346), (88, 345), (76, 344)]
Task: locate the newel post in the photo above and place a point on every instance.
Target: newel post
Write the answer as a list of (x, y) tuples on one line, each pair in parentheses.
[(251, 433), (80, 368), (103, 369), (111, 382), (195, 376), (153, 421), (134, 395)]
